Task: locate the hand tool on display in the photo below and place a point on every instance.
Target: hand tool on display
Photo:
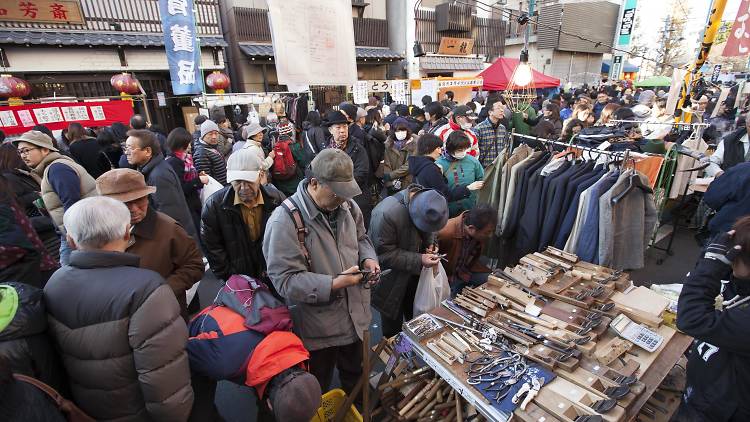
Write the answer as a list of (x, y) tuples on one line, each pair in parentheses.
[(562, 254), (529, 390), (423, 325), (442, 354), (528, 276), (598, 385), (567, 266), (486, 293), (611, 350), (408, 378), (502, 274)]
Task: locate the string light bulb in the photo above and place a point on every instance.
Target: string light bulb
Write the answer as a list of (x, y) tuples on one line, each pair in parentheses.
[(523, 75)]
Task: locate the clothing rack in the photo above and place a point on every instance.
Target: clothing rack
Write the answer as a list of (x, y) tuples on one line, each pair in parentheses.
[(623, 154), (663, 123), (661, 189)]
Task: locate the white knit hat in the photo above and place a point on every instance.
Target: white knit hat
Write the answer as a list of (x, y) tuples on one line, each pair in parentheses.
[(244, 164)]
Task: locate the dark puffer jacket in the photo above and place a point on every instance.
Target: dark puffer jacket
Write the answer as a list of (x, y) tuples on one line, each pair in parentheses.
[(24, 343), (122, 339), (227, 245)]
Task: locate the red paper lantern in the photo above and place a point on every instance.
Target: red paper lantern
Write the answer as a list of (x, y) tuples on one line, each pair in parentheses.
[(12, 87), (218, 81), (125, 84)]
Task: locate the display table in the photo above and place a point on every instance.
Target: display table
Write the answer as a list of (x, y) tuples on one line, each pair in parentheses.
[(668, 356), (561, 325)]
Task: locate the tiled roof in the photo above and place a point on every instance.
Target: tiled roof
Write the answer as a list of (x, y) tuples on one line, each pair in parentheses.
[(93, 38), (266, 50), (451, 63)]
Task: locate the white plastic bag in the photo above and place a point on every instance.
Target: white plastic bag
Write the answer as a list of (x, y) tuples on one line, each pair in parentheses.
[(209, 189), (431, 290)]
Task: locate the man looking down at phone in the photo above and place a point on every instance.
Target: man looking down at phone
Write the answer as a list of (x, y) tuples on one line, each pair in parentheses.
[(316, 249)]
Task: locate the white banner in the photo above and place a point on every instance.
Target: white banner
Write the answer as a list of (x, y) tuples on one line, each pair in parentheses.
[(313, 42)]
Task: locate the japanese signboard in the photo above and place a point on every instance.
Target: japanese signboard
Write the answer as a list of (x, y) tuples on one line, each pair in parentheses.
[(457, 82), (616, 68), (58, 115), (626, 22), (456, 46), (738, 43), (42, 11), (715, 73), (183, 51)]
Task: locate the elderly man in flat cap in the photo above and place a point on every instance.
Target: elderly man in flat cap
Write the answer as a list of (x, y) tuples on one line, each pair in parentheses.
[(161, 243)]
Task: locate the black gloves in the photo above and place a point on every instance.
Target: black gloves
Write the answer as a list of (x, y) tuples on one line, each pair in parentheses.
[(721, 248)]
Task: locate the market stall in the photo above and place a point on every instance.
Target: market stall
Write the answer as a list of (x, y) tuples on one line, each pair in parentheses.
[(436, 88), (553, 338), (497, 77)]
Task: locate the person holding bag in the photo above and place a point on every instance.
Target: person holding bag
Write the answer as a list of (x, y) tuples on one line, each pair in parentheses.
[(403, 231)]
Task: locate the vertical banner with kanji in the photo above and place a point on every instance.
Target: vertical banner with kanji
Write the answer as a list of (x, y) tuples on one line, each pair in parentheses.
[(738, 43), (181, 44)]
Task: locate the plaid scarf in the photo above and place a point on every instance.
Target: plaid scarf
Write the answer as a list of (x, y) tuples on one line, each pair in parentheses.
[(190, 172)]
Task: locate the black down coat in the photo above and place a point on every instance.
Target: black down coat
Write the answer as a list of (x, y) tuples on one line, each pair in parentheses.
[(24, 343)]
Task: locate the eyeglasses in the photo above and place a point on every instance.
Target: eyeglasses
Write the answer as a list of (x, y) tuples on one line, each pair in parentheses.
[(130, 148), (25, 151)]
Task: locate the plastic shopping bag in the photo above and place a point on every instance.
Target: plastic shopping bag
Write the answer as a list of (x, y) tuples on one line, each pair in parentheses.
[(431, 290), (209, 189)]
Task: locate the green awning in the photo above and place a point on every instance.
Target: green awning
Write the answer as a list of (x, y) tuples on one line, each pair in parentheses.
[(655, 81)]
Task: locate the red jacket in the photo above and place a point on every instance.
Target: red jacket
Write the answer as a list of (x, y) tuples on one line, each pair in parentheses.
[(444, 131)]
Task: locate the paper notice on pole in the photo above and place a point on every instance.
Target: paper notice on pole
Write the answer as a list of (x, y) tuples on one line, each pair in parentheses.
[(428, 87), (313, 42), (26, 119), (359, 92), (398, 90), (674, 90), (7, 118)]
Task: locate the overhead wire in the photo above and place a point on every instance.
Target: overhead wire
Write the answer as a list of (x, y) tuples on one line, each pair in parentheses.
[(490, 8)]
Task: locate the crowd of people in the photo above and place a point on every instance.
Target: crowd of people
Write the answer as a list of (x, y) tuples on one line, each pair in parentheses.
[(107, 230)]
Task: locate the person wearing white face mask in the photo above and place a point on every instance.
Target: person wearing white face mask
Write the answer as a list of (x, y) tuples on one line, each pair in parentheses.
[(460, 168), (461, 121), (394, 169)]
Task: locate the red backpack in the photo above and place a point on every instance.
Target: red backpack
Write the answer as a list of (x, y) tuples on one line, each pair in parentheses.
[(284, 166)]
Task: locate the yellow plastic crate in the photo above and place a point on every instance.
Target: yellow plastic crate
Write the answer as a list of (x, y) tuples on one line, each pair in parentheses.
[(330, 403)]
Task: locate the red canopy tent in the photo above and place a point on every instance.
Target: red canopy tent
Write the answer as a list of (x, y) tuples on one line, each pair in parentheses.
[(497, 76)]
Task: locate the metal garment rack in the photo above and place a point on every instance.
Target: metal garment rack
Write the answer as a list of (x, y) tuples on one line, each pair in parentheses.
[(663, 123), (661, 189)]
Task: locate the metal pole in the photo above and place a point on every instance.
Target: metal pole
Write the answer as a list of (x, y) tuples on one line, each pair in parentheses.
[(709, 35)]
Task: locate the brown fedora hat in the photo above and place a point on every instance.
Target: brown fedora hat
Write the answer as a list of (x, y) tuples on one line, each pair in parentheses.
[(124, 185)]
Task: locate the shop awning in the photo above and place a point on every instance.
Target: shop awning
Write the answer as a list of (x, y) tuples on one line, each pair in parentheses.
[(95, 38), (451, 63), (627, 68), (266, 50)]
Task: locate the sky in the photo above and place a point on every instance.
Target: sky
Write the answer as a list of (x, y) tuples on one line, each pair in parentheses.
[(650, 15)]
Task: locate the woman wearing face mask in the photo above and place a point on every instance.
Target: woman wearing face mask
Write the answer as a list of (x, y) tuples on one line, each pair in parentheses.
[(394, 169), (460, 169)]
